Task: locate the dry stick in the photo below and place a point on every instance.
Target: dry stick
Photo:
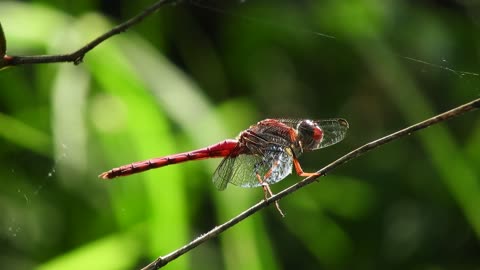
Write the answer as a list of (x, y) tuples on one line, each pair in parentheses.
[(77, 56), (162, 261)]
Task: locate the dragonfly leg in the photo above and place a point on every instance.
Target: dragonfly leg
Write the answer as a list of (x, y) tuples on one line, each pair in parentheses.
[(268, 193), (300, 171)]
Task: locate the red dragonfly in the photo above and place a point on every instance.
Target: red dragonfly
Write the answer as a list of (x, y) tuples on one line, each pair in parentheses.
[(261, 155)]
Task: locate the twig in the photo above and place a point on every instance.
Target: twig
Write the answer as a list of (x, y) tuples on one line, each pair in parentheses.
[(77, 56), (162, 261)]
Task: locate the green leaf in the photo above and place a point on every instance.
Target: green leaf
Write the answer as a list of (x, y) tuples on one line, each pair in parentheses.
[(116, 251), (19, 133)]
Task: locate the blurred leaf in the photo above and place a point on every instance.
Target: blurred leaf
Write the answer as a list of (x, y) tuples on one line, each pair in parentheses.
[(159, 195), (250, 237), (69, 101), (334, 196), (18, 17), (343, 196), (24, 135), (117, 251), (473, 144), (365, 18), (327, 241), (457, 174), (194, 113)]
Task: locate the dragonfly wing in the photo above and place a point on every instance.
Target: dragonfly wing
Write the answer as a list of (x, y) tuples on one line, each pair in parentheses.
[(245, 170), (275, 166), (334, 130), (237, 170), (223, 173)]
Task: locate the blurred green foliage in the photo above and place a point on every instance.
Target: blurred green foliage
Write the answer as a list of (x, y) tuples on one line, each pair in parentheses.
[(201, 71)]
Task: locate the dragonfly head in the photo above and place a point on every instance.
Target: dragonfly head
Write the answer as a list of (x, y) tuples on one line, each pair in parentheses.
[(309, 135)]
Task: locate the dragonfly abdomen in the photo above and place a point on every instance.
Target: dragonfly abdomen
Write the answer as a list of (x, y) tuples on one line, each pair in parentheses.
[(221, 149)]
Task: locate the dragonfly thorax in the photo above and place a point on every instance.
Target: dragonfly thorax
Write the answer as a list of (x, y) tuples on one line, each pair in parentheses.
[(309, 135)]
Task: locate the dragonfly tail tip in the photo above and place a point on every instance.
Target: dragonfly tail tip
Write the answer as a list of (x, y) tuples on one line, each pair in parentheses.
[(104, 176)]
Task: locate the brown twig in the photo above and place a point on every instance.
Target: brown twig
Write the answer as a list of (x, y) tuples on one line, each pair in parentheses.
[(3, 43), (162, 261), (77, 56)]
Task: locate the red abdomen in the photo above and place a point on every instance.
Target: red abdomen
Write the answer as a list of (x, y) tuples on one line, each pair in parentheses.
[(221, 149)]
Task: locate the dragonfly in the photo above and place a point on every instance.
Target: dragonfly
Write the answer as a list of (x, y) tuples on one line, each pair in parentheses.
[(259, 156)]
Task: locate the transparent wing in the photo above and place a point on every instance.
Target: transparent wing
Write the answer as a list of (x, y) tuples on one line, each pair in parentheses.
[(242, 170), (334, 130)]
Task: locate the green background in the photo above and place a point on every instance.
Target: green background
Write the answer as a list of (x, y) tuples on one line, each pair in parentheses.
[(201, 71)]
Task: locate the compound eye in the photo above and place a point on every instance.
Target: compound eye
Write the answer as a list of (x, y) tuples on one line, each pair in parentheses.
[(317, 133), (310, 134)]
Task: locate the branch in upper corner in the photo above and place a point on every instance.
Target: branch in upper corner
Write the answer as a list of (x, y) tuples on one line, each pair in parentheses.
[(77, 56), (164, 260), (3, 47), (3, 42)]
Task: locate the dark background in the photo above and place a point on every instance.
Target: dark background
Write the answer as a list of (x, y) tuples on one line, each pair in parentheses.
[(201, 71)]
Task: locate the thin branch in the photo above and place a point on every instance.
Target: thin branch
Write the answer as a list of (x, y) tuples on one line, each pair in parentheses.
[(77, 56), (3, 42), (162, 261)]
